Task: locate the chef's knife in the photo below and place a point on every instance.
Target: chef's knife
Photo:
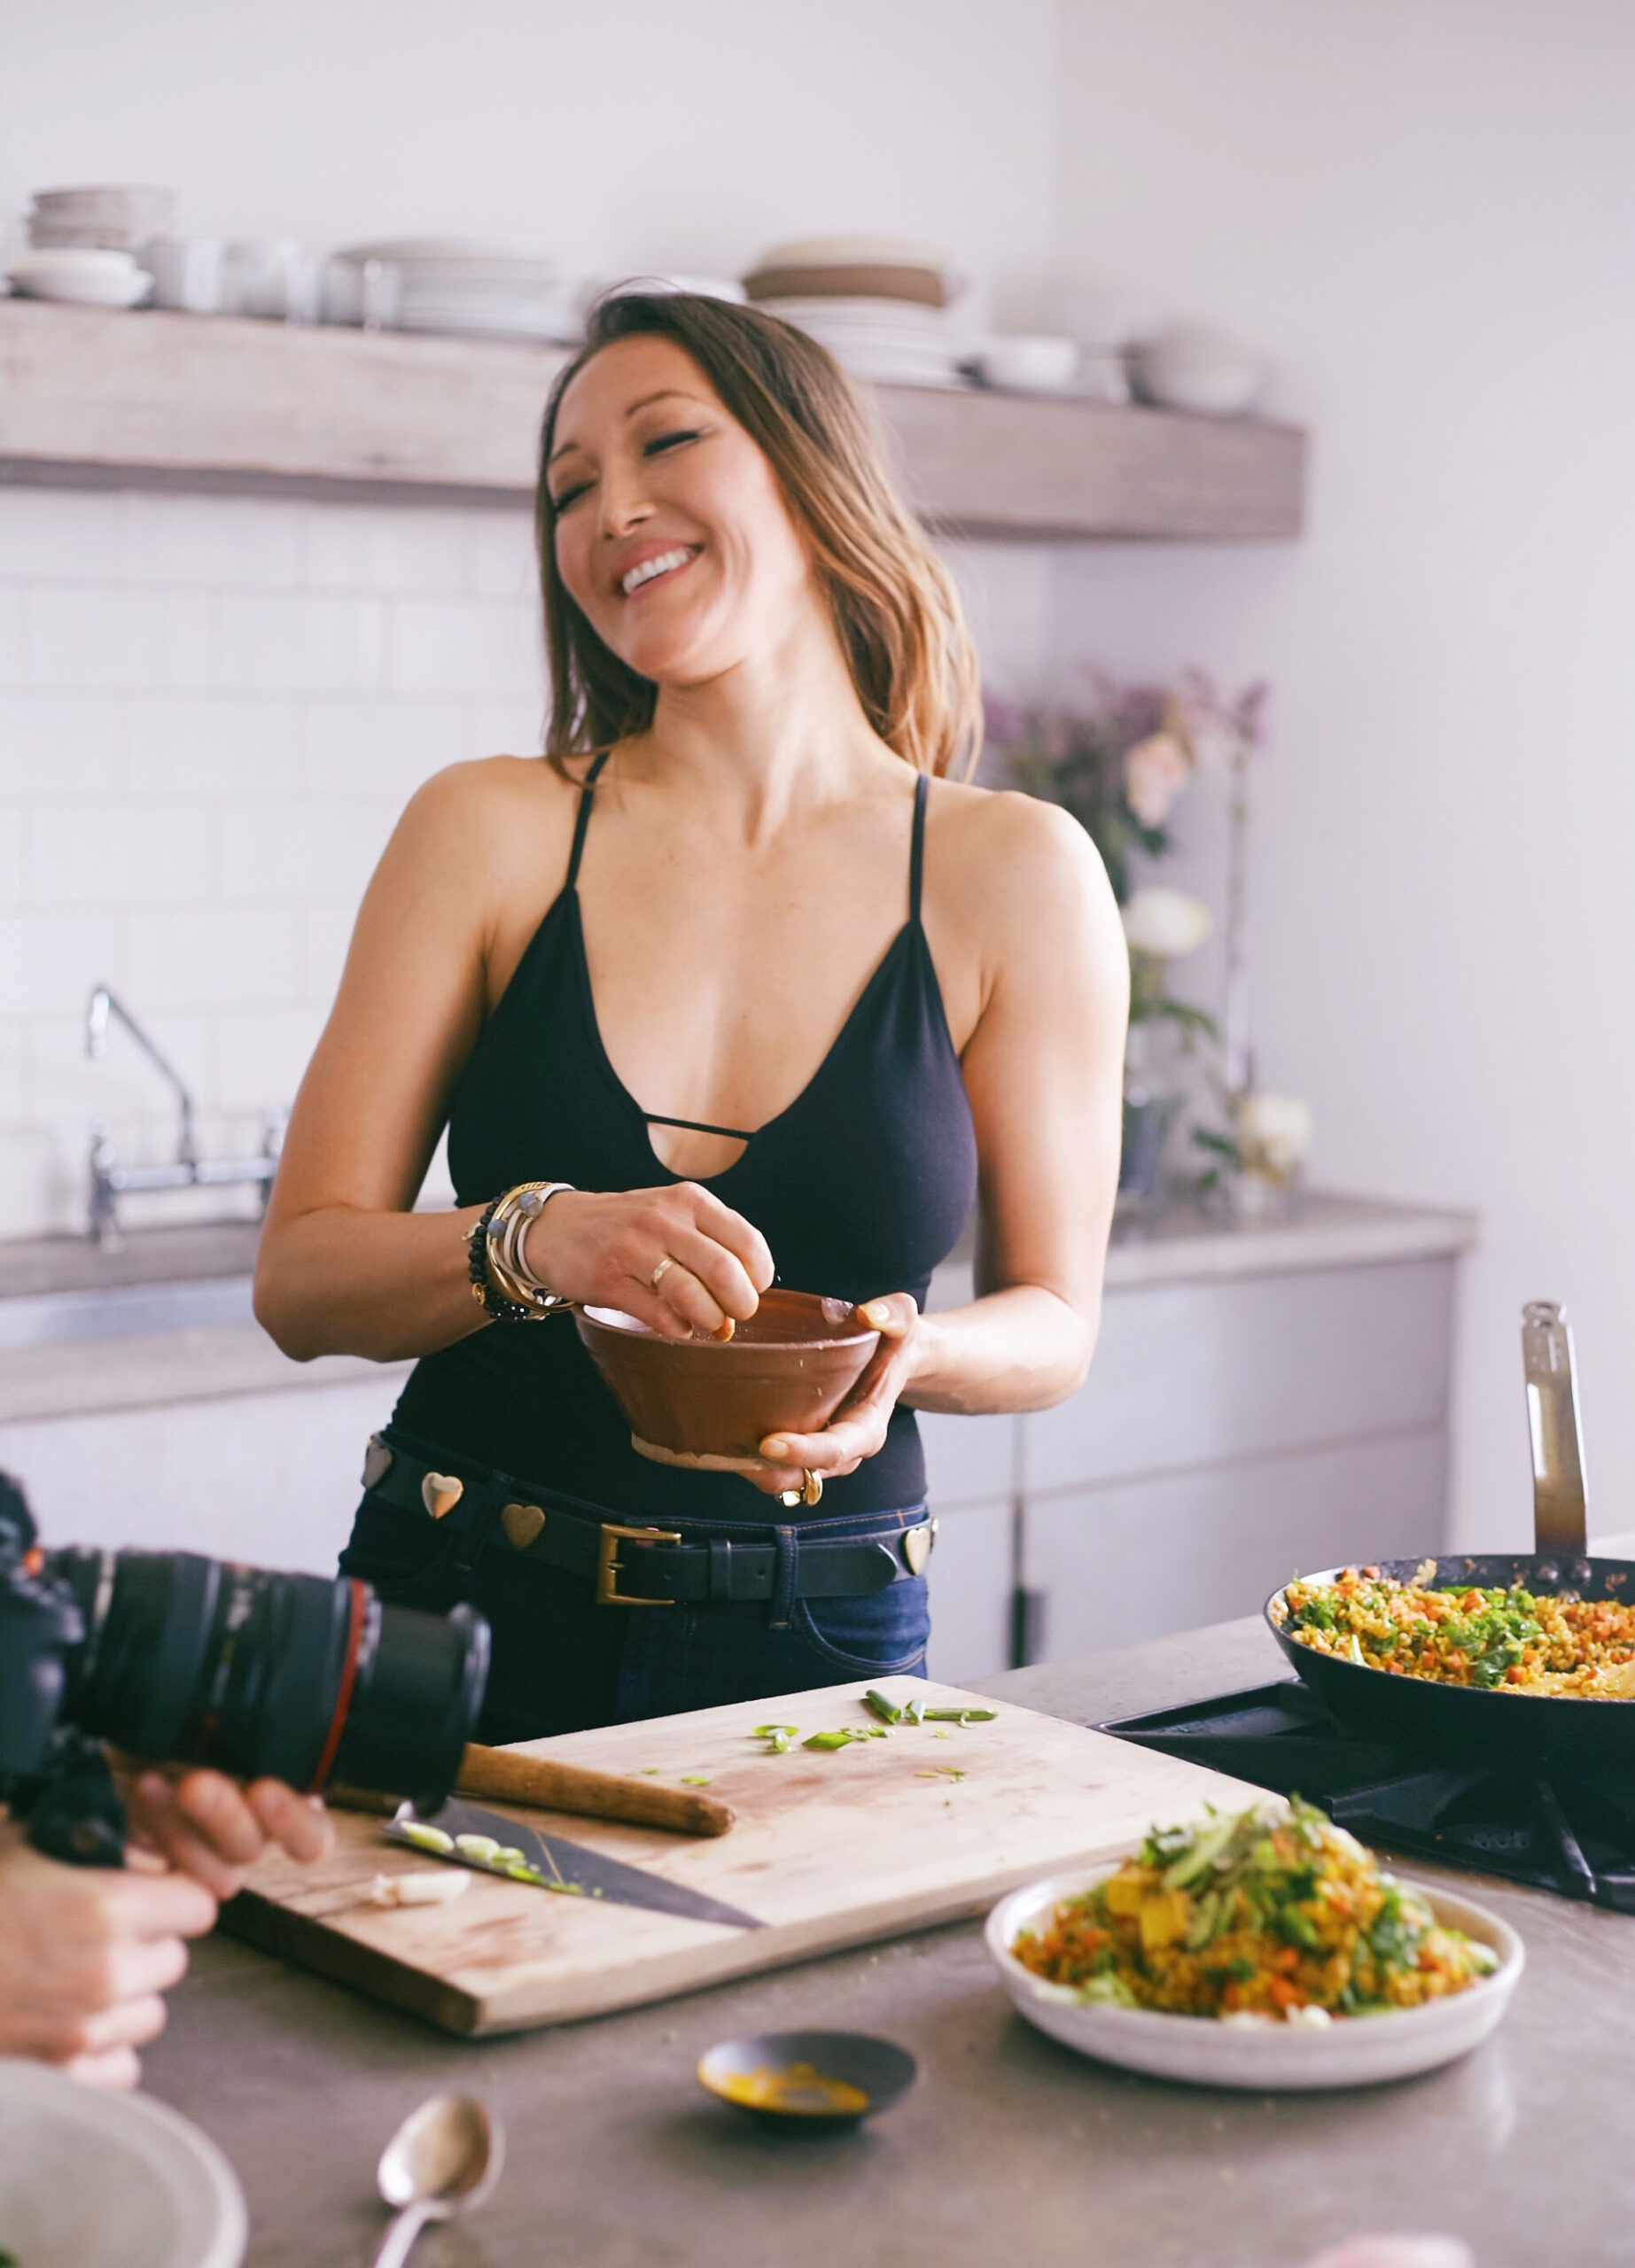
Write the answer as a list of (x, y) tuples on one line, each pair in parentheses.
[(565, 1865)]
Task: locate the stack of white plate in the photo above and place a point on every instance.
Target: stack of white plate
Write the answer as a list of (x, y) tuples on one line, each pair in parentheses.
[(879, 304), (895, 342), (468, 289), (109, 220)]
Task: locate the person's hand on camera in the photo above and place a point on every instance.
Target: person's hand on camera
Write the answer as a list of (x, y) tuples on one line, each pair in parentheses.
[(86, 1953), (677, 1259), (212, 1827)]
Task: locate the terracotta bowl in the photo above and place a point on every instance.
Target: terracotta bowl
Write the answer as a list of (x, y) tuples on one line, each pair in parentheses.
[(708, 1404)]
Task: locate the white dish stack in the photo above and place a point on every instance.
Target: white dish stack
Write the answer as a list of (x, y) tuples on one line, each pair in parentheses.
[(85, 245), (464, 289), (101, 220), (879, 305)]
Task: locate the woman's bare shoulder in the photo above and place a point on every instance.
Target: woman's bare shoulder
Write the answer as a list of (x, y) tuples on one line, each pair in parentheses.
[(492, 807), (1001, 848)]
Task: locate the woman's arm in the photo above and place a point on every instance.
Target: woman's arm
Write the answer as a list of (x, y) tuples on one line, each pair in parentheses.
[(345, 1266), (1044, 1072)]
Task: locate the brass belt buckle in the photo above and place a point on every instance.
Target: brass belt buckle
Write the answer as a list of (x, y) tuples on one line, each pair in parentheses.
[(608, 1592)]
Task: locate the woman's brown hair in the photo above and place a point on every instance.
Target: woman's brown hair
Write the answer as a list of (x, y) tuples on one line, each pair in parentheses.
[(896, 610)]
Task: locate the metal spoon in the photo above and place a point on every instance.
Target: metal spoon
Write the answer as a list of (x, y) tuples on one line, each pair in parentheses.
[(445, 2157)]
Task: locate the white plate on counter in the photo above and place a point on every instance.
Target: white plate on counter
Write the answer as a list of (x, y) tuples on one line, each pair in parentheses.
[(1260, 2055), (96, 2180)]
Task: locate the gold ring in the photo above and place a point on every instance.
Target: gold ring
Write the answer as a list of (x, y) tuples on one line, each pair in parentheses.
[(814, 1489), (656, 1278)]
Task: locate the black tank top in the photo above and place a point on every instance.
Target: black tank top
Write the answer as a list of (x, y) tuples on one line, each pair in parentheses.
[(861, 1186)]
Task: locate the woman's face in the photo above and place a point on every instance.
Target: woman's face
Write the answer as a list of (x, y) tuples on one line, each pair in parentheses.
[(671, 535)]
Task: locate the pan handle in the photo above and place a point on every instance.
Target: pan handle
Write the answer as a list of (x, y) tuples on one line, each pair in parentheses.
[(1558, 1519)]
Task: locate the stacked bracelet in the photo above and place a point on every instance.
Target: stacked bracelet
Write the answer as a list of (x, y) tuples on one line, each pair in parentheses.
[(501, 1281)]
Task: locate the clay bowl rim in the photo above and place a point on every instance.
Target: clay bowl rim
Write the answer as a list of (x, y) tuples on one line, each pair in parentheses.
[(629, 1330)]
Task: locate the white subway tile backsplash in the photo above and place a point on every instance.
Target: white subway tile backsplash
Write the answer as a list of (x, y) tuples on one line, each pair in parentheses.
[(121, 1085), (212, 711), (282, 642), (382, 747), (378, 548), (222, 957), (73, 535), (117, 640), (59, 745), (220, 746), (48, 961), (503, 565), (325, 934), (513, 727), (472, 645), (283, 852), (263, 1055), (14, 1086), (12, 647), (34, 1192), (221, 542), (11, 828), (122, 854)]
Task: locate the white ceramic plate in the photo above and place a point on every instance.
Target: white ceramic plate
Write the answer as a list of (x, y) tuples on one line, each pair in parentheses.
[(96, 2180), (1353, 2052)]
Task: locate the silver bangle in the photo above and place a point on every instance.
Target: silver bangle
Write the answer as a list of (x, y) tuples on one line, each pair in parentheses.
[(519, 1209)]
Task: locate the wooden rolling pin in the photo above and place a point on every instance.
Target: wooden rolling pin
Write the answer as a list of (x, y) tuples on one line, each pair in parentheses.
[(510, 1777)]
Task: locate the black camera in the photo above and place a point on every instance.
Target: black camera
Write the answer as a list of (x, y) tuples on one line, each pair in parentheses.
[(177, 1659)]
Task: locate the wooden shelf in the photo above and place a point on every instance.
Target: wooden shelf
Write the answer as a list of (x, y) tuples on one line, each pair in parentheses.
[(93, 399)]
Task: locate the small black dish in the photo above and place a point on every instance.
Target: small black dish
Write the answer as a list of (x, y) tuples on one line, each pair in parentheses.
[(808, 2081)]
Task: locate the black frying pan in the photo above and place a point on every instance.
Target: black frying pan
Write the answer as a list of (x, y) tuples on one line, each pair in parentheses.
[(1469, 1724)]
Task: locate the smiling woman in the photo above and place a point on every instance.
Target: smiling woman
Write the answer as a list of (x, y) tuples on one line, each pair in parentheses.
[(736, 983)]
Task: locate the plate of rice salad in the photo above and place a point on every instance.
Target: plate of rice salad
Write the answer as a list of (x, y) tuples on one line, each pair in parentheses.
[(1508, 1640), (1263, 1949)]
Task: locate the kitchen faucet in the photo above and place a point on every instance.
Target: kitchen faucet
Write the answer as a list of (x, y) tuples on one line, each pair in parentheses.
[(109, 1180)]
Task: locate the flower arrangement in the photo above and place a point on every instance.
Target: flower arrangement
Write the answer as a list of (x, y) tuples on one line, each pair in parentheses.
[(1120, 767)]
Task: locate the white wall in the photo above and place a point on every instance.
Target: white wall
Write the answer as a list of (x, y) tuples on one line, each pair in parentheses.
[(1427, 214), (623, 137)]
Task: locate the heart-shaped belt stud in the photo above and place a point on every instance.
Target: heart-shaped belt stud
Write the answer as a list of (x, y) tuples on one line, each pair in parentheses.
[(441, 1492), (917, 1543), (522, 1523)]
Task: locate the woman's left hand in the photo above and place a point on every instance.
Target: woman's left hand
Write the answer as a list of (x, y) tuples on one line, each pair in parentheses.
[(857, 1430)]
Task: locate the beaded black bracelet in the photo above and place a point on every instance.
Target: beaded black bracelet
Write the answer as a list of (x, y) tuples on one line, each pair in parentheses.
[(486, 1294)]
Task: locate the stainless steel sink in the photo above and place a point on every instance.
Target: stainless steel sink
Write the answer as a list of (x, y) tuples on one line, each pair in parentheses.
[(122, 1310)]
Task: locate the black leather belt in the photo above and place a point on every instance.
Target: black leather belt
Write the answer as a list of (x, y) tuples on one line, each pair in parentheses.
[(635, 1565)]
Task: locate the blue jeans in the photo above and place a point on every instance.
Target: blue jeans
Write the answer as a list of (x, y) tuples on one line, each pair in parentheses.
[(562, 1662)]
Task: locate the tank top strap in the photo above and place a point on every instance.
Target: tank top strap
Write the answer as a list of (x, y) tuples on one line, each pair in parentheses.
[(916, 856), (582, 821)]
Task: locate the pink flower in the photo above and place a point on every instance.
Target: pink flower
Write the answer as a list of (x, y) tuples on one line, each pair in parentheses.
[(1154, 772)]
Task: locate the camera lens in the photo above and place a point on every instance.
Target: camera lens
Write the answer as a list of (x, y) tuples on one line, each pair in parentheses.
[(294, 1676)]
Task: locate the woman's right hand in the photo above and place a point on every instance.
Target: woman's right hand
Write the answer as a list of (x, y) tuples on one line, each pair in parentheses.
[(606, 1247)]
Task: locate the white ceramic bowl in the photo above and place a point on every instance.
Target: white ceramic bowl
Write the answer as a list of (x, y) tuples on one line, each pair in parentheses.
[(80, 276), (1021, 363), (1352, 2052), (96, 2180), (1198, 370)]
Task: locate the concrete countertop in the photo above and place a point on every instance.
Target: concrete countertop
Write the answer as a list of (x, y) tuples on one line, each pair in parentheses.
[(142, 1368), (1010, 2149)]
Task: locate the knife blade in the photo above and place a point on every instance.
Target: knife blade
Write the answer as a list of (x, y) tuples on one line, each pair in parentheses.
[(565, 1865)]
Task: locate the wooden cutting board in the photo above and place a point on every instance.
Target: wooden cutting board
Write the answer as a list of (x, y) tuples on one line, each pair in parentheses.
[(831, 1848)]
